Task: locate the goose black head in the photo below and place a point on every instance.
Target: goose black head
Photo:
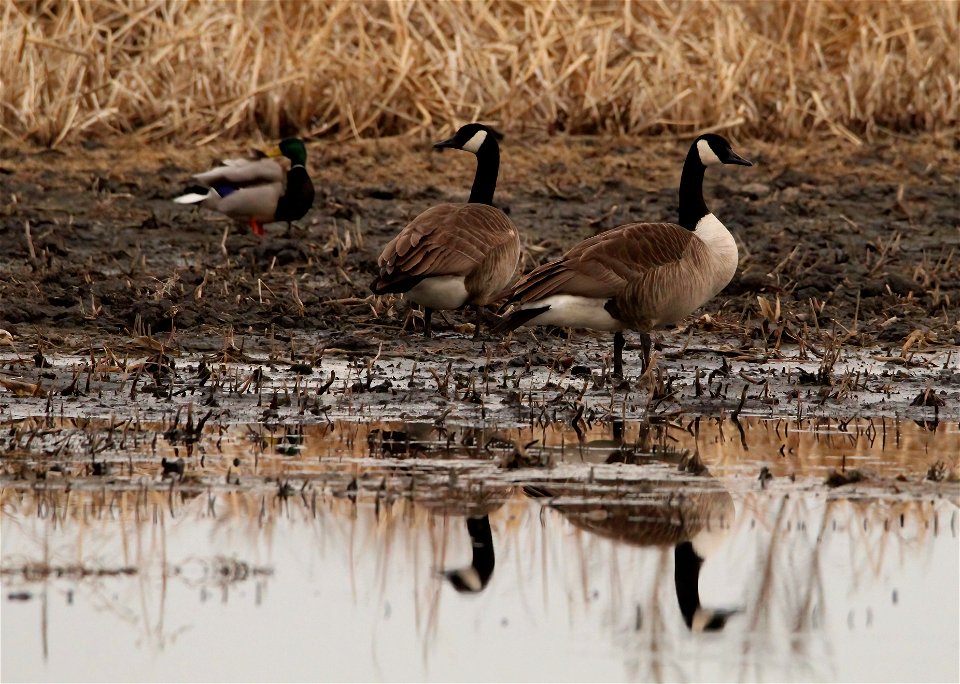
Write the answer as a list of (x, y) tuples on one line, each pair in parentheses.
[(466, 580), (472, 138), (705, 620), (291, 148), (714, 149)]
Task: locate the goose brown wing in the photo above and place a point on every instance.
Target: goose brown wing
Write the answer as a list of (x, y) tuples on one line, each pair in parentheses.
[(653, 515), (448, 239), (601, 266)]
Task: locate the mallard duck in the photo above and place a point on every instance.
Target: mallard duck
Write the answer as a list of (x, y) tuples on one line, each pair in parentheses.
[(257, 191), (637, 276), (452, 255)]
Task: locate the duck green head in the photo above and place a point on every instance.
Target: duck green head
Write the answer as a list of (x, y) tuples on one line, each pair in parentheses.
[(291, 148)]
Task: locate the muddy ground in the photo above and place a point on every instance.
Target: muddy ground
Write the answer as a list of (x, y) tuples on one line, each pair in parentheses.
[(256, 402), (848, 254)]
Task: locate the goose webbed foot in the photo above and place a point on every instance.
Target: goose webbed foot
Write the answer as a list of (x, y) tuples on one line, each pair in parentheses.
[(478, 322)]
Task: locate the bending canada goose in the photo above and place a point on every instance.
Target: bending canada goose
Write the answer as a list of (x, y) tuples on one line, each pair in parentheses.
[(637, 276), (257, 191), (455, 254)]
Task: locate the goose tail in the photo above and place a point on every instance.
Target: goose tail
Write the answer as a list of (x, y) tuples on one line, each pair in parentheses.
[(396, 283), (537, 492), (516, 318)]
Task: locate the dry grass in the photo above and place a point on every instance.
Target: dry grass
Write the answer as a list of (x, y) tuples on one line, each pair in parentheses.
[(168, 69)]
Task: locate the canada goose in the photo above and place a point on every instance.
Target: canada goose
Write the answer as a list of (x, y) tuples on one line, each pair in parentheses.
[(455, 254), (474, 578), (472, 501), (657, 513), (640, 275), (257, 191)]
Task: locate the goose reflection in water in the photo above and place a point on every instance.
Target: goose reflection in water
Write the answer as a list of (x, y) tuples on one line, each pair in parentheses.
[(469, 498), (474, 578), (474, 502), (658, 513), (649, 515), (692, 514)]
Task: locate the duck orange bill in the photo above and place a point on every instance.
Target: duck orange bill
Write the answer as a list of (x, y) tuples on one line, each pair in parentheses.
[(257, 227)]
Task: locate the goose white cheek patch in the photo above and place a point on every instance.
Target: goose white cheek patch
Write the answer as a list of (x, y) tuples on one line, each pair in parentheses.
[(474, 143), (707, 155)]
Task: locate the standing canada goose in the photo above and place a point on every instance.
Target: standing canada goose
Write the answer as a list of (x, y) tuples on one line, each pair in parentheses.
[(640, 275), (455, 254), (257, 191)]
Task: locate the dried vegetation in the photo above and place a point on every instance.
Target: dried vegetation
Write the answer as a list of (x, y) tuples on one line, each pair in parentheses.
[(200, 70)]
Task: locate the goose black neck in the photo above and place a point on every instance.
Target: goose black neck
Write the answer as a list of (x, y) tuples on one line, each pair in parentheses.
[(298, 198), (485, 181), (686, 577), (482, 539), (692, 206)]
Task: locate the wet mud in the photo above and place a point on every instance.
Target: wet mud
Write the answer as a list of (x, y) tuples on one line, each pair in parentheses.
[(854, 241), (446, 464), (843, 249), (203, 438)]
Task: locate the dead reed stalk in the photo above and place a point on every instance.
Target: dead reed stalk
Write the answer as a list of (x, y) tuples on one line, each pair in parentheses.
[(195, 71)]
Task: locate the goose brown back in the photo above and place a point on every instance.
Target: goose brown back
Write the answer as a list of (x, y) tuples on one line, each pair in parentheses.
[(474, 241)]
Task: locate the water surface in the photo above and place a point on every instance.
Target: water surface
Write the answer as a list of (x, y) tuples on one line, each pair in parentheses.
[(352, 551)]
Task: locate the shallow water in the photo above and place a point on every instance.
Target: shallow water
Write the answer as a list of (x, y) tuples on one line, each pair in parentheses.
[(319, 552)]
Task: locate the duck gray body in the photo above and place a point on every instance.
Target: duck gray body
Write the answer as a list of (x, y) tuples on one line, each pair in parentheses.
[(257, 191)]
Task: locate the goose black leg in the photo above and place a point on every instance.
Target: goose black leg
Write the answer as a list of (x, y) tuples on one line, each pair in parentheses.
[(618, 343), (427, 313), (644, 352), (476, 326)]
